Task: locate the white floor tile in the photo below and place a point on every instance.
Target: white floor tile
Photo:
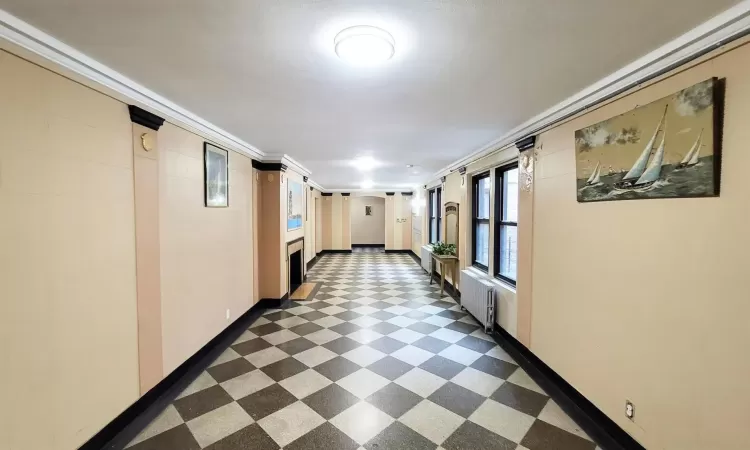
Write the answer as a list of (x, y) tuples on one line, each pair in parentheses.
[(406, 336), (477, 381), (363, 383), (460, 354), (288, 424), (247, 384), (219, 423), (432, 421), (420, 382), (320, 337), (266, 356), (315, 356), (362, 422), (447, 335), (290, 322), (226, 356), (364, 336), (280, 337), (204, 380), (305, 383), (554, 415), (328, 321), (521, 378), (503, 420), (364, 355), (412, 355)]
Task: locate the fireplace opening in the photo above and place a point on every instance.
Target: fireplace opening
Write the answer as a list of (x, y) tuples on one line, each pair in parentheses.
[(295, 271)]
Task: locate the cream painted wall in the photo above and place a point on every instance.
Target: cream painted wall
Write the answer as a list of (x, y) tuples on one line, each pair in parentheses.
[(206, 253), (311, 224), (641, 299), (336, 222), (318, 222), (368, 229), (67, 265)]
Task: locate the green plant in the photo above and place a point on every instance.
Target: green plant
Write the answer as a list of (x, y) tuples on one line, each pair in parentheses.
[(443, 249)]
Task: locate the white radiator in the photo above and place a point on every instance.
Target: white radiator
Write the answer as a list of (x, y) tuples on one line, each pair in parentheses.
[(478, 298), (426, 255)]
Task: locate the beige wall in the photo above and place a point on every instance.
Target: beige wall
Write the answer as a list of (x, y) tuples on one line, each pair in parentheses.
[(638, 299), (206, 253), (69, 341), (398, 216), (368, 229), (336, 222), (311, 224), (271, 236)]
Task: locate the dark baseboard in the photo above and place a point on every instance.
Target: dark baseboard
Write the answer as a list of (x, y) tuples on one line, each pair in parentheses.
[(311, 264), (335, 251), (594, 422), (123, 428), (397, 251), (415, 257), (368, 246)]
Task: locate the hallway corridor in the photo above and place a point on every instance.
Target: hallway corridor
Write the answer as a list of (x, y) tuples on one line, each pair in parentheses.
[(377, 360)]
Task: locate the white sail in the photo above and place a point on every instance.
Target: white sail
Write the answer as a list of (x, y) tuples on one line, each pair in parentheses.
[(594, 174), (698, 144), (597, 177), (694, 150), (654, 168), (640, 164)]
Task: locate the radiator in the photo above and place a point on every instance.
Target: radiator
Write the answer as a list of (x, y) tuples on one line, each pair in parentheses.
[(426, 256), (478, 298)]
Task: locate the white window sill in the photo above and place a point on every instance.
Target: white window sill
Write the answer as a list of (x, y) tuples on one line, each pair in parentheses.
[(483, 275)]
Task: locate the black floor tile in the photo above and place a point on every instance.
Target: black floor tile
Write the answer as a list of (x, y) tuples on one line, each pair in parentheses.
[(476, 344), (295, 346), (520, 398), (496, 367), (442, 367), (394, 400), (178, 438), (431, 344), (325, 437), (231, 369), (330, 401), (390, 367), (266, 401), (251, 346), (543, 436), (399, 437), (249, 437), (201, 402), (457, 399), (386, 345), (283, 369), (471, 436), (342, 344), (337, 368)]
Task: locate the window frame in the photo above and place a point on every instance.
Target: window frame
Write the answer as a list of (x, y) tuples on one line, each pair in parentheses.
[(438, 215), (499, 223), (476, 221)]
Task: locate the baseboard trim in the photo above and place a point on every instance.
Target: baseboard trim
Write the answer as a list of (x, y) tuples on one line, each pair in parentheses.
[(126, 426), (335, 251), (368, 245), (415, 257), (397, 251), (594, 422), (311, 264)]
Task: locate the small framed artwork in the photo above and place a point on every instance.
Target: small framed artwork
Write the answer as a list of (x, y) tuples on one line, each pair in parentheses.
[(215, 176), (294, 205), (368, 210)]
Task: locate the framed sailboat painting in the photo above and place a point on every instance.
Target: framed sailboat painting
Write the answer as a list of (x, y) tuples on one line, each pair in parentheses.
[(666, 149)]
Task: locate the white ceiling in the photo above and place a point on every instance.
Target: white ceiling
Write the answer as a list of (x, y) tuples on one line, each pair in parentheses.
[(465, 71)]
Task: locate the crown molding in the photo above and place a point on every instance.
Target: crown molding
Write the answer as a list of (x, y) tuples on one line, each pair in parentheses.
[(66, 59), (721, 29)]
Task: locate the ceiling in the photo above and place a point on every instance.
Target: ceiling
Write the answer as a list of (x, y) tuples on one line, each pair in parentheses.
[(465, 71)]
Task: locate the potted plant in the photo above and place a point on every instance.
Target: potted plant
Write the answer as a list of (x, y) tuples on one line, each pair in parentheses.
[(443, 249)]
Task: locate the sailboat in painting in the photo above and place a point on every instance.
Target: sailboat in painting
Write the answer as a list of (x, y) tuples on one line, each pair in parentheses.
[(644, 174), (691, 158), (595, 177)]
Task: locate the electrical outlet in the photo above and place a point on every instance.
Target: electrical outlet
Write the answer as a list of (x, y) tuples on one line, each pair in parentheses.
[(227, 314), (629, 409)]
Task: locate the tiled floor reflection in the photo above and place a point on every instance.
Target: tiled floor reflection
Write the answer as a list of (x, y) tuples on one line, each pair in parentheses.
[(377, 360)]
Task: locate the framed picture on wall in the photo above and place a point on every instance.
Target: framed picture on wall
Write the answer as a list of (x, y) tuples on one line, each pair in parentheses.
[(294, 205), (368, 210), (215, 176)]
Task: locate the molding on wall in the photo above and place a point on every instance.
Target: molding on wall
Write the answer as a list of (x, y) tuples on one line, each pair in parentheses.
[(63, 56), (123, 428), (593, 421), (368, 245), (145, 118), (334, 251), (326, 194), (715, 32), (390, 194), (269, 166), (345, 194)]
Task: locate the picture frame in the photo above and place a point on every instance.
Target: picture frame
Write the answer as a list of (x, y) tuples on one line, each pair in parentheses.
[(294, 205), (668, 148), (215, 176)]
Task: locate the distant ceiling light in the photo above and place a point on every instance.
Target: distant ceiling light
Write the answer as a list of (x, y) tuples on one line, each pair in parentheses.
[(364, 45), (365, 163), (409, 166), (367, 184)]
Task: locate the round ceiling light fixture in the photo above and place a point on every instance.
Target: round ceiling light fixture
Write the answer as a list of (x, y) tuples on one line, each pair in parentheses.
[(364, 45)]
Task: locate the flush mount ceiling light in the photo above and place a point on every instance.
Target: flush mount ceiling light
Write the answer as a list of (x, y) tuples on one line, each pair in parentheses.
[(364, 45), (364, 163), (367, 184)]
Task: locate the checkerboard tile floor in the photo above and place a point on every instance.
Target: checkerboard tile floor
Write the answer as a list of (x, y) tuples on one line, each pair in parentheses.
[(378, 360)]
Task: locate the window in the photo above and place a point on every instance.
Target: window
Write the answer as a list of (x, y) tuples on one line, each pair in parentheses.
[(506, 223), (481, 221), (435, 216)]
